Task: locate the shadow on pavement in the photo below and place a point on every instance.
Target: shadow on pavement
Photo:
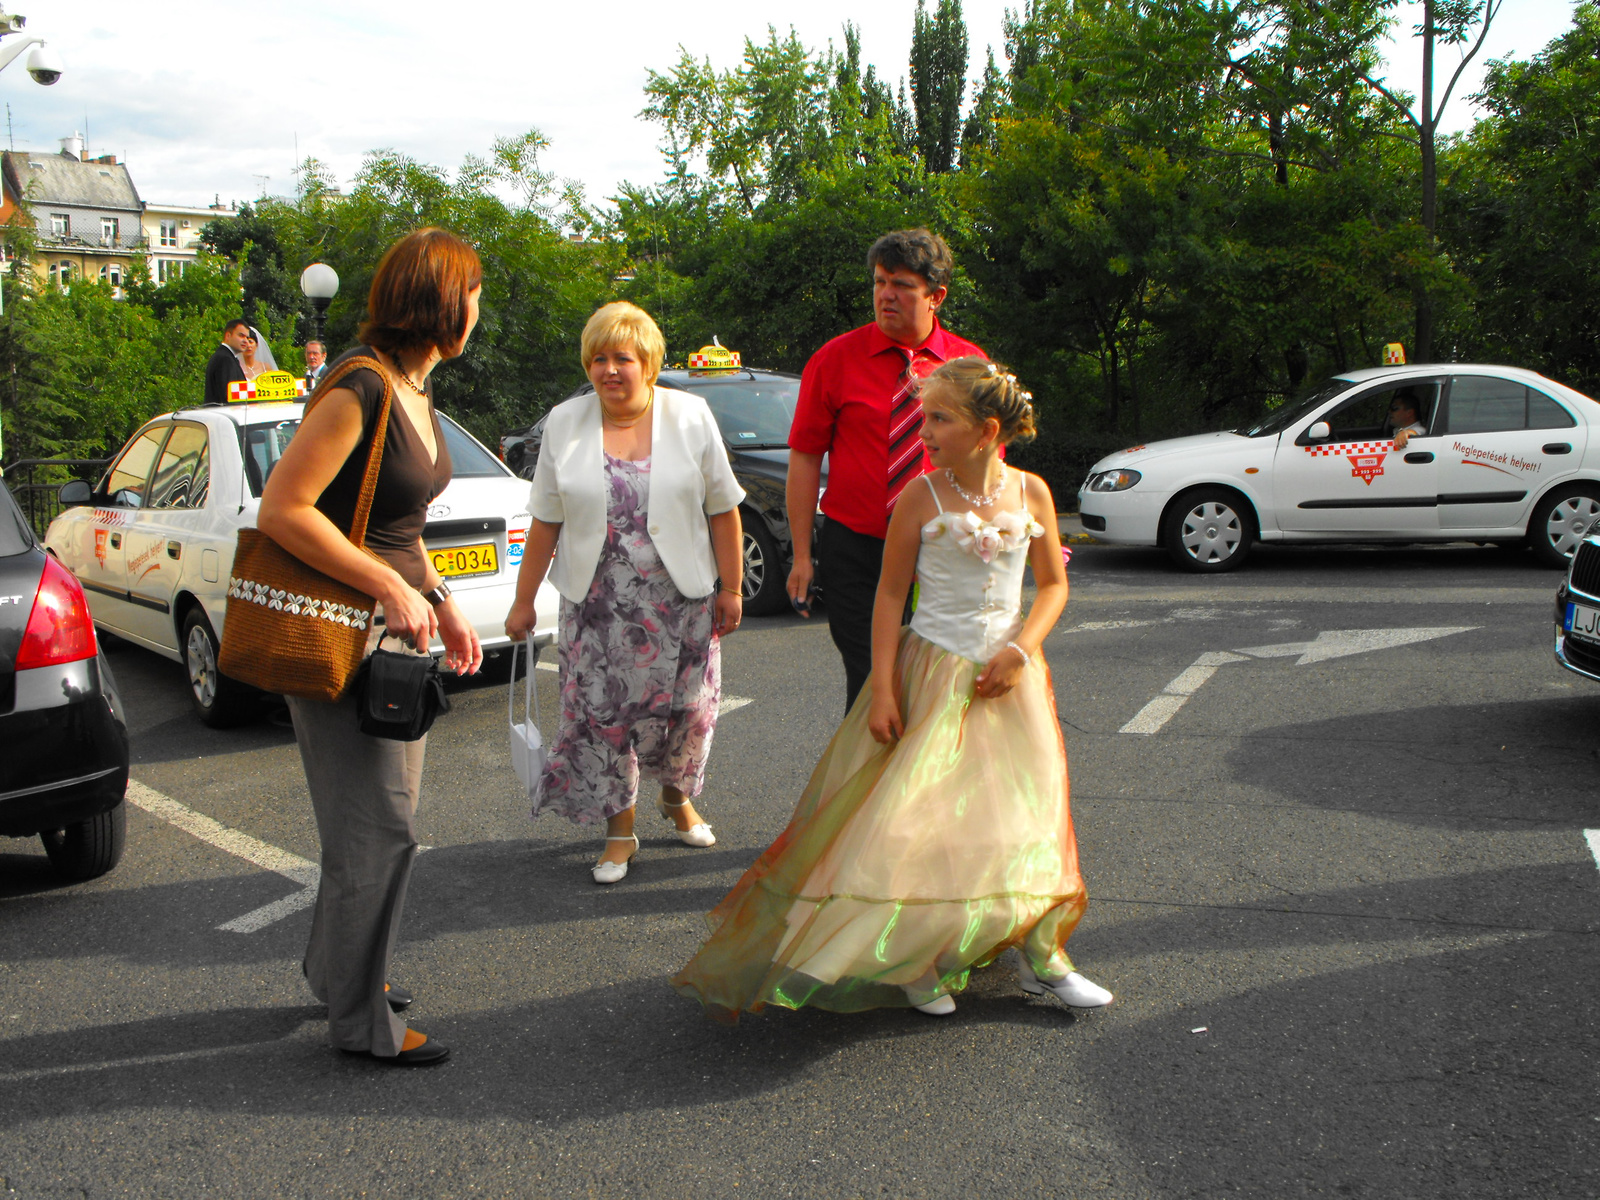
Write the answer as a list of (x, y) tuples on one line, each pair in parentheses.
[(1465, 765)]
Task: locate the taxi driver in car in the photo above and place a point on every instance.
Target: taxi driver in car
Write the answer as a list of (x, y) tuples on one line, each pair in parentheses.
[(1404, 419)]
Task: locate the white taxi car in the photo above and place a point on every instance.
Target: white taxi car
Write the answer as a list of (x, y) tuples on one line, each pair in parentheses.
[(153, 542), (1504, 456)]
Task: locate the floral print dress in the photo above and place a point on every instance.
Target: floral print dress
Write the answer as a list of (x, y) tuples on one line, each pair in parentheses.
[(641, 671)]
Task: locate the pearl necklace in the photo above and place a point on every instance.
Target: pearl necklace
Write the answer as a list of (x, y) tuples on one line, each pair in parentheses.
[(982, 501)]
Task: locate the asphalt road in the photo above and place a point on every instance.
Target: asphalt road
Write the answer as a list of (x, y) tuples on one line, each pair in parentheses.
[(1342, 892)]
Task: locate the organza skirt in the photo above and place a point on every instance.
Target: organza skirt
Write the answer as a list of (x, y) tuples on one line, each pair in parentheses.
[(907, 866)]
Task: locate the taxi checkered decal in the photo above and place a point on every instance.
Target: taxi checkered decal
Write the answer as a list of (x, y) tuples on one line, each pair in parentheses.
[(1366, 458), (246, 390)]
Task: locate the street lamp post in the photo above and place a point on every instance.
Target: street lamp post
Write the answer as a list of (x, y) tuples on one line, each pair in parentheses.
[(320, 283), (44, 64)]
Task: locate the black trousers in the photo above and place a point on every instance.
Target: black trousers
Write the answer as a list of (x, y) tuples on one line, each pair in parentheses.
[(848, 564)]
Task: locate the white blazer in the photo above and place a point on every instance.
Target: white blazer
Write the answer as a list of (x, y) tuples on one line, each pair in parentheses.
[(689, 480)]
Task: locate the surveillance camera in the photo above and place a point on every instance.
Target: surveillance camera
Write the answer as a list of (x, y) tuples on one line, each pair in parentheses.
[(11, 23), (45, 65)]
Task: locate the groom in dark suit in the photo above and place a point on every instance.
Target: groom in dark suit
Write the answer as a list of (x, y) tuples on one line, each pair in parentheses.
[(224, 366)]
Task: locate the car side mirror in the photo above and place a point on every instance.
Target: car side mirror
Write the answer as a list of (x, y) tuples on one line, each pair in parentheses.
[(1320, 432), (75, 492)]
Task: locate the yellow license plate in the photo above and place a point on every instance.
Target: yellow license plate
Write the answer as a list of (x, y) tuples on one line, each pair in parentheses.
[(457, 561)]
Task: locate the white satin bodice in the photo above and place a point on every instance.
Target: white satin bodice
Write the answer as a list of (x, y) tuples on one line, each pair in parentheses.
[(969, 572)]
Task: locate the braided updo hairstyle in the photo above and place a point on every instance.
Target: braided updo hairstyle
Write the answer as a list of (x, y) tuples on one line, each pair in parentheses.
[(982, 389)]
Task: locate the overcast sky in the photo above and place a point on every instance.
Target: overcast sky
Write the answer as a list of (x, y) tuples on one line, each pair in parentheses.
[(207, 99)]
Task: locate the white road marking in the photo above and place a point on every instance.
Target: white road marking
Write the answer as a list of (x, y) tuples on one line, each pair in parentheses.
[(1592, 836), (1337, 643), (1176, 694), (1333, 643), (111, 1064), (1092, 626), (241, 845)]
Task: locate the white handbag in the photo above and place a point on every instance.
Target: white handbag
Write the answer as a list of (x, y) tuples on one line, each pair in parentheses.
[(527, 743)]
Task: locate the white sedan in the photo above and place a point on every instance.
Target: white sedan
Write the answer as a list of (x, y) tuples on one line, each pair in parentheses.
[(1504, 456), (152, 543)]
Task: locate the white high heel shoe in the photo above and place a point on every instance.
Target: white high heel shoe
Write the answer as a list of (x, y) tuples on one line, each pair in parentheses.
[(1072, 989), (698, 834), (615, 872), (939, 1006)]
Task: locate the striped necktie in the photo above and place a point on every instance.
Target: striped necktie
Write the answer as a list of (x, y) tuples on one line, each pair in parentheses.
[(905, 424)]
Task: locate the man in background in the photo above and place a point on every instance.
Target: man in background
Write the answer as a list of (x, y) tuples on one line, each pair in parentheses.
[(224, 366), (858, 406), (316, 364)]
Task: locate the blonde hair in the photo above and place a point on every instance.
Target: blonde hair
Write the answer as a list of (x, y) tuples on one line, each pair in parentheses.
[(982, 389), (621, 324)]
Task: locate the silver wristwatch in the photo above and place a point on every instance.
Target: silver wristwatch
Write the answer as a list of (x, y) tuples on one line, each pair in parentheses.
[(438, 595)]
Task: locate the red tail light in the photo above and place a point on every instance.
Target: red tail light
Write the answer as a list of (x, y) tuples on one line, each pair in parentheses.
[(59, 627)]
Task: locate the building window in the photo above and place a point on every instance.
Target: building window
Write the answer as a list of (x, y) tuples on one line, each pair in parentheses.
[(169, 233), (168, 269), (109, 230), (61, 273), (61, 224), (112, 274)]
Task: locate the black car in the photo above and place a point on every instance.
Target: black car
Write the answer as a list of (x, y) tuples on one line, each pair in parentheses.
[(63, 740), (753, 409)]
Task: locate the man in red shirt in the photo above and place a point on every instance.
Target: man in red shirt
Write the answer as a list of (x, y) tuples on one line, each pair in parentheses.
[(857, 406)]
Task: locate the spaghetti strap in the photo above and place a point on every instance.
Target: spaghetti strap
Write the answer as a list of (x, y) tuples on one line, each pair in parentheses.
[(928, 479)]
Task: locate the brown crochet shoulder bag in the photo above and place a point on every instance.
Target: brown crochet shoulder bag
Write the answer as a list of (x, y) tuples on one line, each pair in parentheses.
[(289, 628)]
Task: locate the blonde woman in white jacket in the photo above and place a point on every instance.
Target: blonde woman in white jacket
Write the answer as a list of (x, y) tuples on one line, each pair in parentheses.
[(634, 497)]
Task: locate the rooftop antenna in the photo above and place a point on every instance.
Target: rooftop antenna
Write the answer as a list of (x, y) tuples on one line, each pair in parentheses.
[(10, 133), (263, 179)]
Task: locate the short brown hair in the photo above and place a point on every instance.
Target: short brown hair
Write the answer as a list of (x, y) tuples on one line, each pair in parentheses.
[(983, 389), (622, 324), (915, 250), (419, 294)]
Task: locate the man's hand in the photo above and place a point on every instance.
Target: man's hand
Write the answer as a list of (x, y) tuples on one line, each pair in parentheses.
[(800, 577)]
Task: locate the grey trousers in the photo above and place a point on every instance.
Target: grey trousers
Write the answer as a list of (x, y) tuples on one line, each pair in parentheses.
[(364, 792)]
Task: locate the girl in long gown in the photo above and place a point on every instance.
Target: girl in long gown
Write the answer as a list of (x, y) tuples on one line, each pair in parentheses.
[(935, 833)]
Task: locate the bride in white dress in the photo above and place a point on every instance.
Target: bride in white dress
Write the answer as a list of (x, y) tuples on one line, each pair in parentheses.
[(936, 832)]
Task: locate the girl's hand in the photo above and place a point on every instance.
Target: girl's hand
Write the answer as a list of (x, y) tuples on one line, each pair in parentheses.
[(729, 612), (883, 719), (1002, 673), (463, 652)]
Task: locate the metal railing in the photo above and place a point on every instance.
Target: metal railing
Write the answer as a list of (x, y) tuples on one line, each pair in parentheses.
[(35, 481)]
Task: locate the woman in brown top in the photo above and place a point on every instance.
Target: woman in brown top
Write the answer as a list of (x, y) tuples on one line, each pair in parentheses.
[(422, 307)]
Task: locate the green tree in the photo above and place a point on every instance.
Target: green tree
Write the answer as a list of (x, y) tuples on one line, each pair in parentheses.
[(938, 81)]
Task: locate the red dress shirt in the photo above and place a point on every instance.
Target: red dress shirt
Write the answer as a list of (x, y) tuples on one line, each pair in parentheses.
[(843, 412)]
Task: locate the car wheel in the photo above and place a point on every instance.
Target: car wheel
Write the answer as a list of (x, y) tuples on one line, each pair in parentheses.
[(1209, 530), (88, 849), (1560, 520), (763, 585), (218, 701)]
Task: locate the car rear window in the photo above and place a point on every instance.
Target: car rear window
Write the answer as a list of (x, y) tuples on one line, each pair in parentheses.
[(751, 413), (15, 537), (468, 460)]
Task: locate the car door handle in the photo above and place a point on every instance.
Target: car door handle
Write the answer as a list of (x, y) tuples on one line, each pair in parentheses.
[(1558, 447), (1420, 456), (174, 549), (116, 541)]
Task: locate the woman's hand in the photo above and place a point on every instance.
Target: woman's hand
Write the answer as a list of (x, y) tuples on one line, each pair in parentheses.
[(1002, 673), (463, 652), (883, 719), (729, 612), (520, 620), (407, 616)]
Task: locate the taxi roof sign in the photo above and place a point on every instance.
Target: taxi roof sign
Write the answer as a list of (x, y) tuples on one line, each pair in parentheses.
[(269, 385), (1394, 355), (714, 357)]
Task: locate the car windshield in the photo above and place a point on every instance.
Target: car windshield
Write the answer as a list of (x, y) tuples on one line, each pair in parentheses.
[(263, 446), (1288, 413), (753, 414)]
